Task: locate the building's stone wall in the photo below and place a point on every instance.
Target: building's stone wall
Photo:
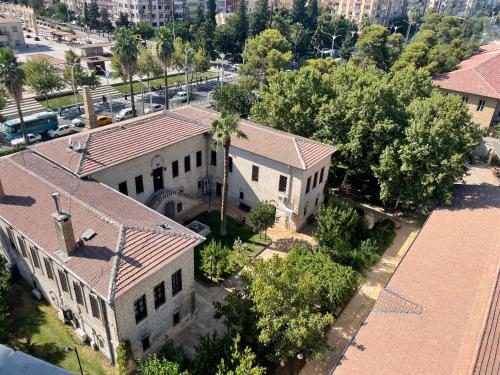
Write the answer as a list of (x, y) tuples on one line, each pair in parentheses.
[(159, 322)]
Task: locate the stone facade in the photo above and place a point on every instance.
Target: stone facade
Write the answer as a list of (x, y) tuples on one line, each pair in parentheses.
[(11, 33)]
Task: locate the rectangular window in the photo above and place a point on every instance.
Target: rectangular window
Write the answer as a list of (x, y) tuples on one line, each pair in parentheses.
[(141, 310), (187, 163), (308, 185), (179, 207), (122, 187), (480, 105), (230, 164), (315, 180), (242, 195), (176, 282), (34, 256), (159, 294), (94, 306), (255, 173), (177, 318), (22, 246), (63, 281), (198, 158), (305, 211), (175, 168), (321, 175), (213, 158), (145, 343), (78, 293), (316, 202), (48, 268), (465, 99), (139, 185), (11, 237), (282, 184)]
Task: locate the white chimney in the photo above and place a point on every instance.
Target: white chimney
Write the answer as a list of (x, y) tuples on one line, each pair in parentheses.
[(64, 227)]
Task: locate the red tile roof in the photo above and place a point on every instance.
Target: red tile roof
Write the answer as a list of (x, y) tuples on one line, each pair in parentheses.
[(439, 313), (28, 181), (262, 140), (117, 143), (478, 75)]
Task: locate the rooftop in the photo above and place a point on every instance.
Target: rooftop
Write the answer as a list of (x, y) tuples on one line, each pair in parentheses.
[(477, 75), (4, 19), (262, 140), (439, 313), (131, 241), (127, 140)]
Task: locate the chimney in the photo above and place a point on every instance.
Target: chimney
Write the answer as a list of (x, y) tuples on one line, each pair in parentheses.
[(64, 227)]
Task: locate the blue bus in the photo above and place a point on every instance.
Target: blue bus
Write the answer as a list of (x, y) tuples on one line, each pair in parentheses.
[(37, 123)]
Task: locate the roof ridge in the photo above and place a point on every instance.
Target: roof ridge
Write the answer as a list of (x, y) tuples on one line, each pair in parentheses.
[(119, 253), (164, 232), (182, 117), (299, 153), (481, 75), (83, 152)]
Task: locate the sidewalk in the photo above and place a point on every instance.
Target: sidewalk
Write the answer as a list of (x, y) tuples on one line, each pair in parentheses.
[(360, 305)]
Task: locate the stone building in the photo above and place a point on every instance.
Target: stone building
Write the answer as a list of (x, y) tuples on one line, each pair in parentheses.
[(11, 32), (477, 82), (114, 269)]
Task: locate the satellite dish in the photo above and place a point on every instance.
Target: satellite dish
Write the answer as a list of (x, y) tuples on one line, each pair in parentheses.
[(74, 145)]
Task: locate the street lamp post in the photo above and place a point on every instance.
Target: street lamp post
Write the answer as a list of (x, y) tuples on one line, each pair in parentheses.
[(222, 56), (73, 84), (68, 350), (187, 51), (333, 36), (395, 28), (107, 75)]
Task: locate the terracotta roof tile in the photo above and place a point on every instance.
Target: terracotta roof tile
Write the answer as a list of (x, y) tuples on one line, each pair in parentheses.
[(28, 181), (262, 140), (451, 273)]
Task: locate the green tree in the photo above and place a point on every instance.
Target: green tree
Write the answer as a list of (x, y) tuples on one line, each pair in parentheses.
[(312, 14), (226, 36), (105, 23), (418, 171), (241, 24), (147, 64), (266, 54), (75, 75), (93, 16), (165, 48), (122, 20), (124, 356), (154, 365), (12, 77), (235, 99), (259, 19), (242, 362), (215, 260), (373, 47), (41, 76), (409, 84), (294, 298), (299, 11), (263, 217), (86, 16), (211, 12), (5, 294), (209, 352), (144, 29), (3, 98), (61, 11), (223, 130), (126, 51)]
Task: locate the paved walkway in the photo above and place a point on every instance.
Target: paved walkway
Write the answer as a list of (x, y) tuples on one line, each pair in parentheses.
[(354, 313)]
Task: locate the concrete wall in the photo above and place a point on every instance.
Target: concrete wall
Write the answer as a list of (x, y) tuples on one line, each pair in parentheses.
[(159, 322), (52, 291), (490, 111)]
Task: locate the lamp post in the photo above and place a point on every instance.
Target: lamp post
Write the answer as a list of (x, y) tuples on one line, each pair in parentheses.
[(107, 74), (333, 36), (395, 28), (73, 84), (187, 51), (68, 350), (222, 56)]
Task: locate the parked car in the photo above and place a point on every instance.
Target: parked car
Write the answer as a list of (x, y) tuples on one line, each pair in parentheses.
[(154, 108), (60, 131), (124, 114), (78, 122), (31, 137), (181, 96), (104, 120)]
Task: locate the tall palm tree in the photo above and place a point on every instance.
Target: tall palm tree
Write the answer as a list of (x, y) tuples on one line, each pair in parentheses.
[(12, 77), (223, 130), (126, 51), (413, 14), (165, 47)]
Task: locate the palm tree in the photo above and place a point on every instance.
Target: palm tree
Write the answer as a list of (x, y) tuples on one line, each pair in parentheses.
[(126, 51), (12, 77), (413, 14), (223, 130), (165, 48)]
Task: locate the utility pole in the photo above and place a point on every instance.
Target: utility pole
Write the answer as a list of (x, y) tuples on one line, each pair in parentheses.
[(333, 36), (222, 56), (187, 51)]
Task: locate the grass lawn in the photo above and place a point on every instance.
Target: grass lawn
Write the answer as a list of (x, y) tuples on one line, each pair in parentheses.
[(62, 101), (255, 242), (49, 336)]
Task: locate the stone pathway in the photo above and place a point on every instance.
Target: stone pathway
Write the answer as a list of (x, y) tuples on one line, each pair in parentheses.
[(357, 309)]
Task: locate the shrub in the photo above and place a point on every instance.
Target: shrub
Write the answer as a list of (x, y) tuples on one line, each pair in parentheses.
[(174, 353), (263, 216), (123, 356), (215, 260), (383, 233)]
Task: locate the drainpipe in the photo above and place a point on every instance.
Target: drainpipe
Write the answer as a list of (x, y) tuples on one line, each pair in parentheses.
[(106, 327)]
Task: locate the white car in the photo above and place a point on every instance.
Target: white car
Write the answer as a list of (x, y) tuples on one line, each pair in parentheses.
[(181, 96), (60, 131), (78, 122), (124, 114), (32, 138), (154, 108)]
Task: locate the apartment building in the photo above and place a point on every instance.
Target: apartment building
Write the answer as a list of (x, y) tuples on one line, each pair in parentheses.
[(11, 32), (113, 268), (477, 82)]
